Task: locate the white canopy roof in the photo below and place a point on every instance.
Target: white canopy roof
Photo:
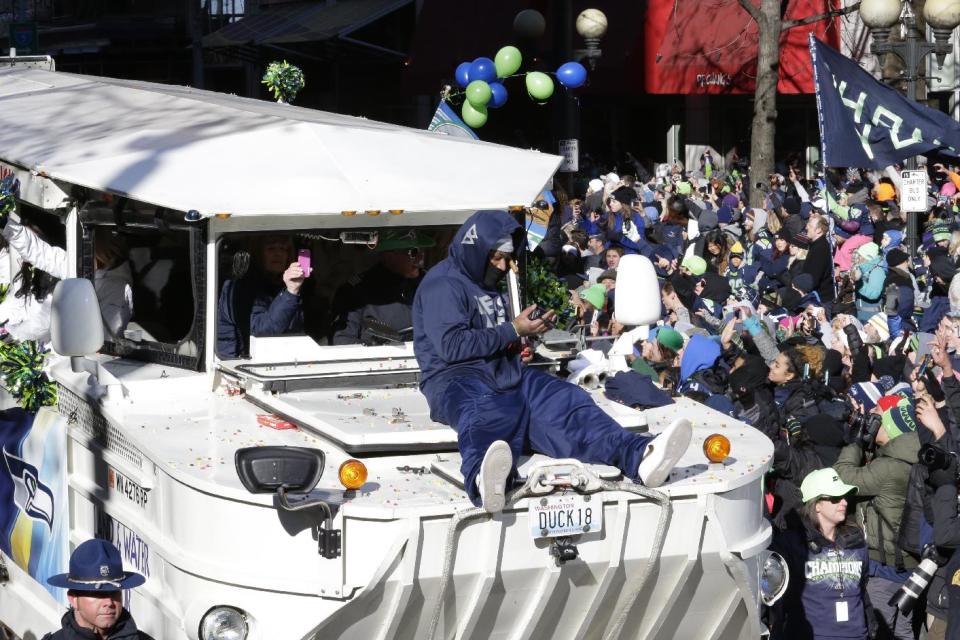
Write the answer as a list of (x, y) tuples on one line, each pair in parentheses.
[(184, 149)]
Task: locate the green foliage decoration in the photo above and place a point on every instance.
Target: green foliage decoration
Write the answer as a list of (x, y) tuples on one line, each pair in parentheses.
[(284, 80), (547, 290)]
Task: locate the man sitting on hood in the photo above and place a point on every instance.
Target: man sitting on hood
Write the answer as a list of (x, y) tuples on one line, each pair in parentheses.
[(468, 350)]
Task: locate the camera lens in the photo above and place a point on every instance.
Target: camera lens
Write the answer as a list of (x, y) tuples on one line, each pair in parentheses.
[(933, 457)]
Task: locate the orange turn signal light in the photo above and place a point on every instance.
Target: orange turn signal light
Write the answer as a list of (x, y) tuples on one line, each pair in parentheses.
[(348, 213), (223, 216), (716, 447), (353, 474), (396, 212), (372, 212)]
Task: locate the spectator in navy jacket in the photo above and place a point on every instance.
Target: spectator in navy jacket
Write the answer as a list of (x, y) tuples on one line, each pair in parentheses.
[(262, 298), (828, 565)]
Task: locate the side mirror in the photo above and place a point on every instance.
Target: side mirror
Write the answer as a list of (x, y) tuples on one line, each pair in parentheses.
[(274, 469), (638, 293), (290, 469), (76, 328)]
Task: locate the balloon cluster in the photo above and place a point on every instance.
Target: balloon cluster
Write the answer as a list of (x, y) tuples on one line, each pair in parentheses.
[(483, 78)]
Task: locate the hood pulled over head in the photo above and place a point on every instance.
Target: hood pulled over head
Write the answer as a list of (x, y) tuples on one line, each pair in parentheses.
[(478, 236)]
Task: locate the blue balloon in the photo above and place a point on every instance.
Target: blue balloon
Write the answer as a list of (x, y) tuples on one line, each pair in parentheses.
[(462, 74), (571, 75), (499, 95), (483, 69)]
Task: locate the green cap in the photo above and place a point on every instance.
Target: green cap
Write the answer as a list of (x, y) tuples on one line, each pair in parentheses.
[(595, 295), (399, 240), (684, 188), (824, 482), (696, 265), (670, 338)]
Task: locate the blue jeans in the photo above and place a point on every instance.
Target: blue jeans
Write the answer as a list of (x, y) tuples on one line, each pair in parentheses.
[(543, 414)]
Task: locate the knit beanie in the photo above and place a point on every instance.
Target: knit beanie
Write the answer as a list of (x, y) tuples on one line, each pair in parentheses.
[(879, 322), (868, 251), (866, 393), (896, 257), (899, 420)]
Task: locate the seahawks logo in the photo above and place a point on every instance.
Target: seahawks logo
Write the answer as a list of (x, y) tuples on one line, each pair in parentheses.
[(470, 237), (31, 495)]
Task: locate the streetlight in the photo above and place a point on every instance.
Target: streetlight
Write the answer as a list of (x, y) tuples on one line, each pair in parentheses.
[(591, 25), (880, 16)]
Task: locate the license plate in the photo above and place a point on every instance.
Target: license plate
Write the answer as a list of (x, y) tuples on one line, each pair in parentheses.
[(564, 515)]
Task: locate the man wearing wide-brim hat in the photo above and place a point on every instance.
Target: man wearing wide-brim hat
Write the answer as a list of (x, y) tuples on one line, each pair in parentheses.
[(95, 586)]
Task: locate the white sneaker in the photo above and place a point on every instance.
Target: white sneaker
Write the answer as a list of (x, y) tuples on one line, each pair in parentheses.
[(663, 453), (494, 473)]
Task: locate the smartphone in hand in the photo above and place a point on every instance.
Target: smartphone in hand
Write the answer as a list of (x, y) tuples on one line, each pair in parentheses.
[(303, 258)]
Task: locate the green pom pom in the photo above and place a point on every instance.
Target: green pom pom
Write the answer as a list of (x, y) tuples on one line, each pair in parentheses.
[(21, 373)]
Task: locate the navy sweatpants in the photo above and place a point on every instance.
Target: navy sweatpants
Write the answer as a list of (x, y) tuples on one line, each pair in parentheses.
[(543, 414)]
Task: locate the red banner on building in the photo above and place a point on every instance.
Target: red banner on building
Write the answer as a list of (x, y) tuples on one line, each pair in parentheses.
[(710, 46)]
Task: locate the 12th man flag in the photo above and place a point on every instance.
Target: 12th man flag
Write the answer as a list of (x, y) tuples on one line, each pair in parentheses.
[(865, 123), (447, 122)]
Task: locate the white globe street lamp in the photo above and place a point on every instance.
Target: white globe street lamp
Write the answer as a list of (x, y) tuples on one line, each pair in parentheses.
[(591, 25)]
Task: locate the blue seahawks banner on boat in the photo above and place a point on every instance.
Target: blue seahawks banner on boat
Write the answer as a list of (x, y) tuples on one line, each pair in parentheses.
[(447, 122), (865, 123), (33, 493)]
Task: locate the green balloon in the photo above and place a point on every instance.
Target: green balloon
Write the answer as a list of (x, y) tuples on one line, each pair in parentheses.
[(507, 61), (479, 93), (539, 85), (474, 116)]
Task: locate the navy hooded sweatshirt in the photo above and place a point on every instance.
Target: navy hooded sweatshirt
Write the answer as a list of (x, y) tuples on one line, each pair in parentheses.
[(459, 327)]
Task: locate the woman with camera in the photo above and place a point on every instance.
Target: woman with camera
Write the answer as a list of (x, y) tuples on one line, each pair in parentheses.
[(828, 565)]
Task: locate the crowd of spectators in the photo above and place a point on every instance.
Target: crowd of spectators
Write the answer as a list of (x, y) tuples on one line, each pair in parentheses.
[(809, 319)]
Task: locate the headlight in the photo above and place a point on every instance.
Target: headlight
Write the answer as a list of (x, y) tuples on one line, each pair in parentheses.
[(774, 576), (223, 623)]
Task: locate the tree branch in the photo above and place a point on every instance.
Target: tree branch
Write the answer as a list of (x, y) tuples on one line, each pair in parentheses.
[(752, 10), (790, 24)]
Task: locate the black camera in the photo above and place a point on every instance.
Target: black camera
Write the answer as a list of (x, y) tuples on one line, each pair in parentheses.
[(906, 597), (854, 341), (864, 428), (935, 458)]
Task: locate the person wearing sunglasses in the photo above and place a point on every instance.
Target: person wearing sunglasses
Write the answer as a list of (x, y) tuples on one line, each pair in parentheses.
[(375, 307), (828, 559)]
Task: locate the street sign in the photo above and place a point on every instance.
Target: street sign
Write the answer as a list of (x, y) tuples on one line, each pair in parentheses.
[(570, 150), (23, 38), (913, 191)]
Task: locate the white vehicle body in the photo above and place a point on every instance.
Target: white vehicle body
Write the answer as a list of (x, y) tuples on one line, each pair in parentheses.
[(148, 449)]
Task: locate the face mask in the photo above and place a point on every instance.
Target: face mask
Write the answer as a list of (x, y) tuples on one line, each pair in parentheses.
[(492, 277)]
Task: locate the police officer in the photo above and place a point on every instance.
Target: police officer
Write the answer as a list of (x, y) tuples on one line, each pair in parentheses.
[(384, 294), (94, 589)]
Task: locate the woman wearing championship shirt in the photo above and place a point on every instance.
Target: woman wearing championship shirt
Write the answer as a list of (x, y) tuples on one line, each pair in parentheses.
[(828, 565)]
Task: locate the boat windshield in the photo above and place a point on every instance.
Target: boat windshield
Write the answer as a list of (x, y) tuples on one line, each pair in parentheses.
[(340, 287)]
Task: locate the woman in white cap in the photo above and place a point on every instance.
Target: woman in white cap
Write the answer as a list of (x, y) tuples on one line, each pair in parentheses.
[(828, 565)]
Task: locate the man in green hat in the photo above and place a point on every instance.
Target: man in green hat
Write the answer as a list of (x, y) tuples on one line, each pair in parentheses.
[(379, 300)]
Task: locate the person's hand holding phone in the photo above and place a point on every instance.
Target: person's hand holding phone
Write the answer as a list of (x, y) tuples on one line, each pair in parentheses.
[(293, 278), (526, 326)]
